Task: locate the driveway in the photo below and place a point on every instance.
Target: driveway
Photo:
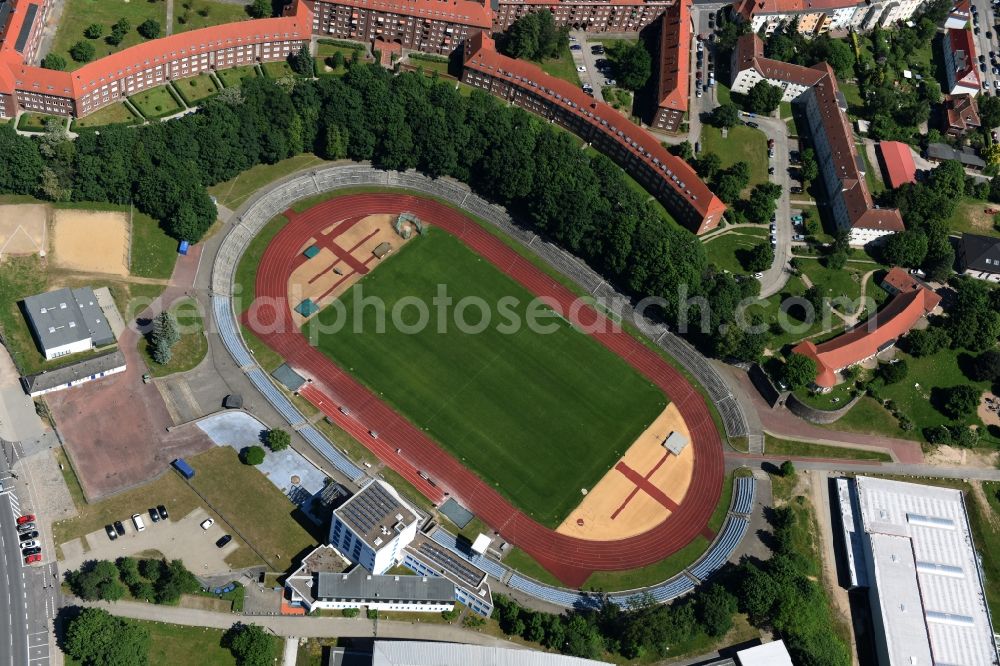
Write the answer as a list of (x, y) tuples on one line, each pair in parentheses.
[(584, 57), (776, 276), (177, 539)]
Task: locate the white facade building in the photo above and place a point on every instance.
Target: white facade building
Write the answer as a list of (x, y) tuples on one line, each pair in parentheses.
[(373, 527)]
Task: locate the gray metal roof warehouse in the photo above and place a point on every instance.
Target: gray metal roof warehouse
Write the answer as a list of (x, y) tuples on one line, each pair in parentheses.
[(65, 316), (361, 585)]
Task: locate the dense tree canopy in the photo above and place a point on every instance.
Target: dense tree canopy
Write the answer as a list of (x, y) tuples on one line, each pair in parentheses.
[(764, 97), (632, 64), (250, 644), (534, 36), (95, 637)]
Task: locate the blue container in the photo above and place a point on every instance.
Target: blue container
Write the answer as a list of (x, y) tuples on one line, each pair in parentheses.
[(186, 471), (183, 249)]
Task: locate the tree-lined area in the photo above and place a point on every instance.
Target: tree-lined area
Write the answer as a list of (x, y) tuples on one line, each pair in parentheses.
[(397, 122)]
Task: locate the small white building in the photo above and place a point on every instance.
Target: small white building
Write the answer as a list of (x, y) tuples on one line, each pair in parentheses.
[(74, 374), (373, 527)]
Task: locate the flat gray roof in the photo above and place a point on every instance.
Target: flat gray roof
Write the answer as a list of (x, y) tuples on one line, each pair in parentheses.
[(69, 373), (420, 653), (926, 571), (359, 585), (375, 513), (93, 316), (56, 318)]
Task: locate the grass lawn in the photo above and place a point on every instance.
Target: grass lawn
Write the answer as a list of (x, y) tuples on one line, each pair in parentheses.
[(233, 193), (35, 122), (429, 63), (156, 103), (790, 325), (171, 644), (724, 250), (743, 144), (189, 350), (20, 277), (278, 69), (251, 504), (78, 14), (540, 376), (970, 216), (562, 67), (154, 253), (776, 446), (195, 88), (232, 77), (194, 14), (986, 534), (246, 272), (837, 283), (115, 114), (870, 417)]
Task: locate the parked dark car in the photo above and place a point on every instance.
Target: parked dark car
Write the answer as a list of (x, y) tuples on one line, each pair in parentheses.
[(224, 540), (110, 529), (162, 510), (28, 536), (119, 528), (31, 551), (153, 515)]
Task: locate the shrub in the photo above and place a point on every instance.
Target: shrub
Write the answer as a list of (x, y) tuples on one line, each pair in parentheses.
[(82, 52), (787, 469), (451, 615), (960, 401), (54, 61), (252, 455), (149, 29), (892, 373), (93, 31), (350, 612), (278, 439)]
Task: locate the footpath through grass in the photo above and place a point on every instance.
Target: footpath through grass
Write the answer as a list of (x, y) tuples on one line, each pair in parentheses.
[(539, 415)]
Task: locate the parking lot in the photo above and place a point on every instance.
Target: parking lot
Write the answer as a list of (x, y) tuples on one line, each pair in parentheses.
[(182, 539)]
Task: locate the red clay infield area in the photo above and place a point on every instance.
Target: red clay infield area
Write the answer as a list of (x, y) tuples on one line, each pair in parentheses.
[(570, 559)]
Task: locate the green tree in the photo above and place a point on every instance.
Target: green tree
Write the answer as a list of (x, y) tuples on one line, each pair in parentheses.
[(278, 439), (788, 470), (840, 55), (54, 61), (93, 31), (799, 371), (987, 367), (99, 638), (973, 323), (758, 258), (764, 98), (96, 580), (708, 165), (809, 167), (250, 644), (252, 455), (907, 248), (22, 162), (726, 115), (302, 62), (174, 581), (893, 373), (960, 401), (534, 36), (82, 52), (762, 204), (715, 609), (259, 8), (683, 150), (632, 64), (118, 32), (989, 110), (150, 29), (927, 342), (163, 336)]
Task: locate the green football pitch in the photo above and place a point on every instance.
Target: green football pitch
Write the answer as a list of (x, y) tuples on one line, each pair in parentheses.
[(538, 415)]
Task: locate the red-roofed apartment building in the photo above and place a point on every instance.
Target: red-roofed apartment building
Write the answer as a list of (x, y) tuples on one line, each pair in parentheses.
[(959, 50), (913, 300), (841, 167), (153, 63), (820, 16), (959, 16), (898, 162), (664, 175), (672, 87), (589, 15)]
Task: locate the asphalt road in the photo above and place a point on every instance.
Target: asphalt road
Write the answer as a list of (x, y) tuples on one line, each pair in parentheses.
[(776, 276), (984, 45), (13, 599)]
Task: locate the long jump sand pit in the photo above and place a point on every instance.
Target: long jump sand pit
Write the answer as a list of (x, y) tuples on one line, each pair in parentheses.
[(638, 493), (23, 229), (346, 254), (91, 241)]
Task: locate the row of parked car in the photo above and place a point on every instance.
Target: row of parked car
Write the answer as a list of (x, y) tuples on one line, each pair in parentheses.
[(117, 528), (27, 537)]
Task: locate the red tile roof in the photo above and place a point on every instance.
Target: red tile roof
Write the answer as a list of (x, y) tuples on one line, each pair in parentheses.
[(466, 12), (963, 50), (675, 58), (861, 210), (961, 113), (867, 339), (140, 57), (899, 164), (481, 55), (901, 281), (747, 8)]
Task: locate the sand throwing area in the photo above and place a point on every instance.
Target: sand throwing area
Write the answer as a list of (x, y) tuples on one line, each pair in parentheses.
[(91, 241), (638, 493), (23, 229), (343, 253)]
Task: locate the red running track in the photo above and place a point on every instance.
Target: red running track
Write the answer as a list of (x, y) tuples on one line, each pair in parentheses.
[(570, 559)]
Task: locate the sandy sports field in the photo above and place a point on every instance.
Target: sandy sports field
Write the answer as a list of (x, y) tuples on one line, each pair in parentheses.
[(641, 490), (91, 241), (346, 254), (24, 229)]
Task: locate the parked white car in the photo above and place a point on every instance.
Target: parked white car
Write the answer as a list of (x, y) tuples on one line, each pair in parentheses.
[(205, 524)]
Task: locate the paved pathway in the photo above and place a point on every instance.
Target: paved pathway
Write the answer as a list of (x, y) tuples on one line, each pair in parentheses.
[(916, 470), (301, 626), (291, 651), (169, 27)]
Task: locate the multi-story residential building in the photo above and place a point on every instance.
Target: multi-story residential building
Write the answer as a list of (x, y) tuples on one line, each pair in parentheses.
[(669, 178), (434, 26), (959, 49), (841, 167), (819, 16), (589, 15), (153, 63), (672, 86), (373, 527), (959, 16), (961, 115)]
